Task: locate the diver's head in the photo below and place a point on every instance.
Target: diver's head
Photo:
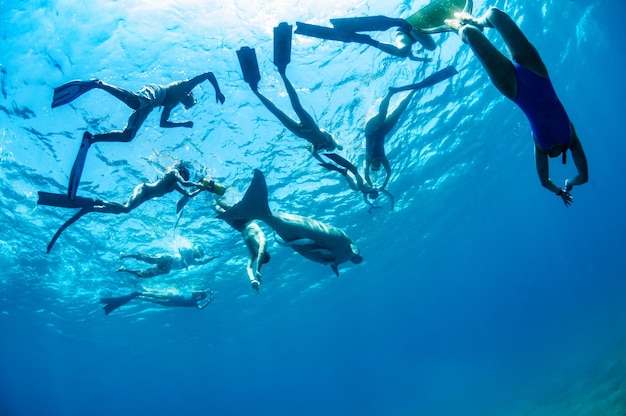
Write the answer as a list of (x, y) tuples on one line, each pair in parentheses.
[(198, 252), (375, 165), (331, 143), (356, 256), (188, 100), (556, 150), (373, 194), (182, 171)]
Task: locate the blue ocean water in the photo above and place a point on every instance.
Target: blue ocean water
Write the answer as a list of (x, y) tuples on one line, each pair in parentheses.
[(480, 293)]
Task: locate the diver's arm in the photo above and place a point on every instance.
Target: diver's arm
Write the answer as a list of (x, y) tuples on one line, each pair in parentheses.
[(543, 170), (580, 160), (166, 123), (387, 167)]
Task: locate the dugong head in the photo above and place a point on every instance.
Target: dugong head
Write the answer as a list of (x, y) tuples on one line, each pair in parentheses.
[(356, 256)]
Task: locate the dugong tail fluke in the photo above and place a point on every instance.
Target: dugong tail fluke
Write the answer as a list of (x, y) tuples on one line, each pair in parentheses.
[(254, 205)]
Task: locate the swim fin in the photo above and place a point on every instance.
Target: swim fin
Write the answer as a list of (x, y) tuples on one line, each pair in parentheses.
[(79, 164), (67, 223), (182, 202), (282, 46), (430, 18), (368, 23), (341, 161), (111, 304), (70, 91), (329, 33), (249, 66), (428, 81), (332, 167), (62, 201)]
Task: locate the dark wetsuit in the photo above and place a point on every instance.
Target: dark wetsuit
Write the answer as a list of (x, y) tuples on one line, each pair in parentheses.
[(375, 145), (537, 99)]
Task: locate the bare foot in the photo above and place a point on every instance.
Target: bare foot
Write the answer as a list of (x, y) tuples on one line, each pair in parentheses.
[(468, 19), (455, 24)]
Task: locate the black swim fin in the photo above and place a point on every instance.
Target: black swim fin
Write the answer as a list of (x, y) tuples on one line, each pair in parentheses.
[(249, 66), (70, 91), (282, 46), (341, 161), (332, 167), (67, 223), (111, 304), (329, 33), (428, 81), (368, 23), (62, 201), (79, 164)]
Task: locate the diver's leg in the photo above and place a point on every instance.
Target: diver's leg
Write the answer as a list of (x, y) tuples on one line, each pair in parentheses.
[(287, 121), (516, 42), (130, 271), (307, 121), (392, 119), (499, 68), (127, 97), (146, 258), (377, 122), (108, 207), (135, 121)]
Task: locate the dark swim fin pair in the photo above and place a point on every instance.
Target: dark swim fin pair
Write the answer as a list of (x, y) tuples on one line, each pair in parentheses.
[(282, 56), (429, 81), (79, 164), (70, 91), (111, 304)]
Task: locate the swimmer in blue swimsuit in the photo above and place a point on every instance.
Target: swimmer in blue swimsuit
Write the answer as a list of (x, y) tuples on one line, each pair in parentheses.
[(525, 81)]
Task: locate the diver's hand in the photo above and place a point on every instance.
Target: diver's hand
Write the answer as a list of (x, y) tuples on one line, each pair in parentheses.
[(567, 198), (188, 124), (219, 97)]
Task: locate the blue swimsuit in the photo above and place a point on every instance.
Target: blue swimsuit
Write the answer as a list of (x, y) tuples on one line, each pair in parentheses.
[(547, 117)]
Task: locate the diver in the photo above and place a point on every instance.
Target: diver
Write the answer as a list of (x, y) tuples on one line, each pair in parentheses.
[(377, 128), (306, 128), (164, 263), (142, 103), (525, 81), (355, 180), (196, 299), (315, 240), (254, 238), (415, 29), (174, 178)]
